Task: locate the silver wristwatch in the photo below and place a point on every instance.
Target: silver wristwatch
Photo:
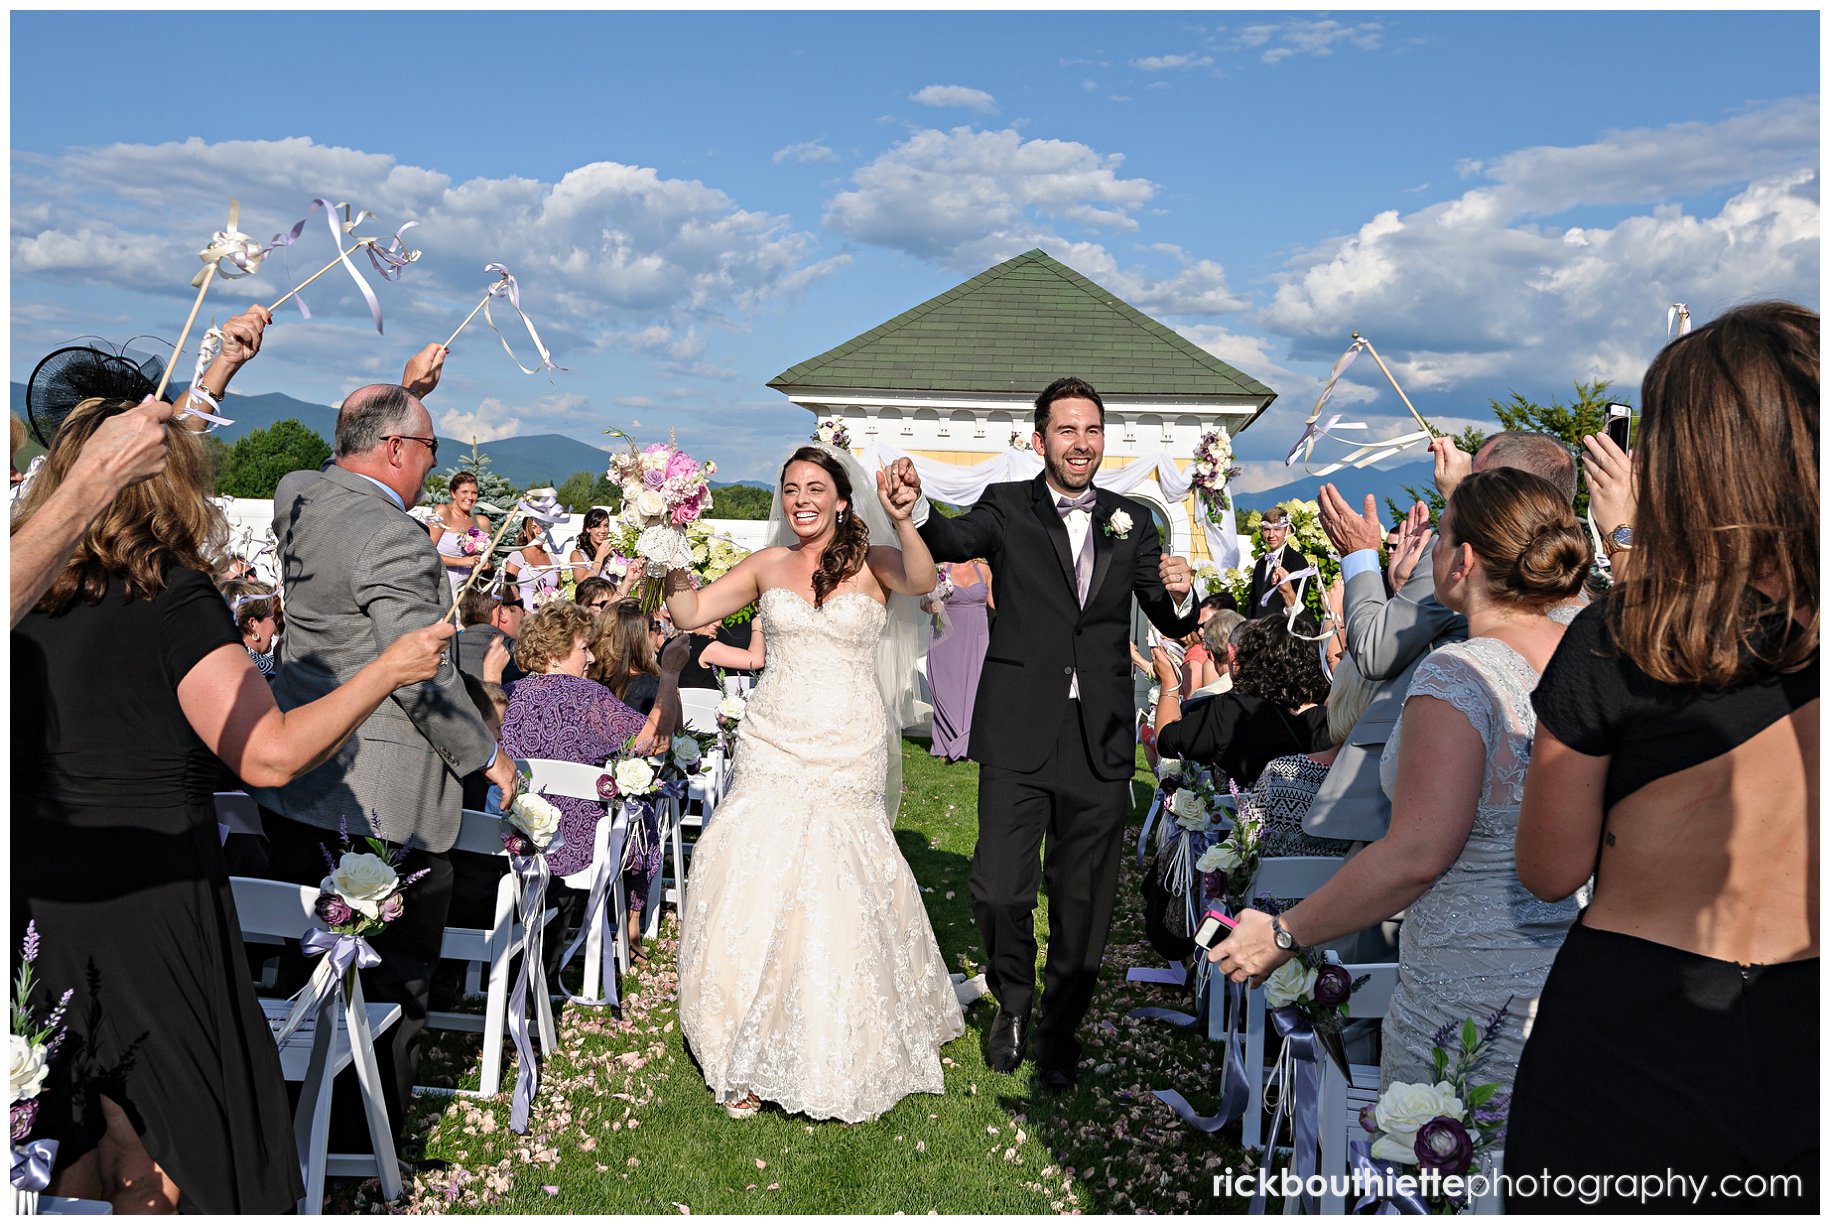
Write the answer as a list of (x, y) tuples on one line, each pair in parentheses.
[(1283, 939)]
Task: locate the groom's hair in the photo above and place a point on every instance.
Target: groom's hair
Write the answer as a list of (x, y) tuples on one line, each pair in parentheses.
[(1069, 388)]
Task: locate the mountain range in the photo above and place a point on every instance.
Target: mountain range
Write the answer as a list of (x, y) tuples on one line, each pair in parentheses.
[(548, 459)]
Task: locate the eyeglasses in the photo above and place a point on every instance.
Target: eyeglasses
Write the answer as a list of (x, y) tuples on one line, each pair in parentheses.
[(598, 605), (431, 444), (654, 627)]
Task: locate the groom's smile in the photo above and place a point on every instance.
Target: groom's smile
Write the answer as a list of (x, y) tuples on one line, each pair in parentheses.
[(1073, 443)]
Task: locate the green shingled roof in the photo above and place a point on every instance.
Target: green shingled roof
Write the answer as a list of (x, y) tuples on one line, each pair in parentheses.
[(1016, 328)]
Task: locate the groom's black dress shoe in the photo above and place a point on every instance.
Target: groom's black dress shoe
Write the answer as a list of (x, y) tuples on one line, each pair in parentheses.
[(1055, 1081), (1008, 1042)]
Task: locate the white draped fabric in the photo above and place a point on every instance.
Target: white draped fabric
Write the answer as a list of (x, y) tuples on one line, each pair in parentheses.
[(962, 485)]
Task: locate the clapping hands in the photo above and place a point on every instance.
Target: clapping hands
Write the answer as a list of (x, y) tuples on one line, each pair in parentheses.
[(1413, 538)]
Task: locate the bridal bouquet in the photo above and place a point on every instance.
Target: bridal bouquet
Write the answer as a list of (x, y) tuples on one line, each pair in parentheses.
[(1443, 1128), (34, 1044), (1214, 467), (664, 490), (833, 433)]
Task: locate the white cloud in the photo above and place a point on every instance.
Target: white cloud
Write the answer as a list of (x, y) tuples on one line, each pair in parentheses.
[(939, 191), (806, 151), (1469, 295), (955, 95), (488, 422), (1281, 40), (1173, 63)]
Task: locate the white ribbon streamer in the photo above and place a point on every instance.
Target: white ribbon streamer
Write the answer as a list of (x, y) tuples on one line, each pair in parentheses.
[(1678, 314), (507, 288)]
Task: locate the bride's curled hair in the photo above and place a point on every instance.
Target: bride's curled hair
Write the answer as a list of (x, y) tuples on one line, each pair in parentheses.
[(845, 553), (1524, 531)]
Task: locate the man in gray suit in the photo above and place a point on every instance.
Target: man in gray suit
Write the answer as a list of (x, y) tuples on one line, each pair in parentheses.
[(1388, 637), (359, 572)]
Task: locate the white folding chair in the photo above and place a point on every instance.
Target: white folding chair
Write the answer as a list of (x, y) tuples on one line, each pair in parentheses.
[(574, 781), (275, 908), (1341, 1101), (492, 946), (699, 712), (1292, 877)]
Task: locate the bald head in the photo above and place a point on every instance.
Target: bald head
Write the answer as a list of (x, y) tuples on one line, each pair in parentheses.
[(1538, 454), (371, 413)]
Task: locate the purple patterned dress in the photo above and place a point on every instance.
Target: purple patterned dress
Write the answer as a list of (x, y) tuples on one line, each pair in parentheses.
[(955, 659), (569, 718)]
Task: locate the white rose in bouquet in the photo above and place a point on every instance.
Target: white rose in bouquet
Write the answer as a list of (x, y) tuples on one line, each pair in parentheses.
[(1220, 857), (29, 1066), (652, 503), (686, 752), (634, 776), (1189, 810), (1402, 1109), (1289, 983), (731, 707), (363, 880), (536, 816)]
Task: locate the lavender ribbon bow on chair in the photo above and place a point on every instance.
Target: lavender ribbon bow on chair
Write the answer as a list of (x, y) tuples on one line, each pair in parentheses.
[(1297, 1076), (531, 878), (1235, 1092), (341, 952), (32, 1165)]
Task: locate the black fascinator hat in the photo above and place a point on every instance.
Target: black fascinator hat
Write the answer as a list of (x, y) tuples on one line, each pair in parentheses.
[(80, 372)]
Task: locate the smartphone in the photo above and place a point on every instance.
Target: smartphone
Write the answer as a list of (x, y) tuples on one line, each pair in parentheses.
[(1209, 932), (1620, 424)]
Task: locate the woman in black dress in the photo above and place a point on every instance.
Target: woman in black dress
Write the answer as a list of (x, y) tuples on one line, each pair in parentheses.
[(1676, 762), (127, 676)]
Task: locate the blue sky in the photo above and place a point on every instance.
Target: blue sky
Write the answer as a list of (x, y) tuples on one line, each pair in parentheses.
[(693, 202)]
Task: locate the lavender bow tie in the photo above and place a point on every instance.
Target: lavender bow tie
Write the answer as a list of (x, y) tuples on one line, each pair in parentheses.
[(1065, 506)]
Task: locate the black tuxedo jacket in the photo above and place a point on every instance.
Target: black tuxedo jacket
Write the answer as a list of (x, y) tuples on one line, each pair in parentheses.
[(1291, 560), (1042, 636)]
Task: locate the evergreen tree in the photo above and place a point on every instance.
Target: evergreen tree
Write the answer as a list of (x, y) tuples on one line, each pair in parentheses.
[(262, 457)]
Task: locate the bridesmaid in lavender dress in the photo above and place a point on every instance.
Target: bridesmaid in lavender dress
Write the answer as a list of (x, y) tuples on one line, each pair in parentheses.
[(957, 655)]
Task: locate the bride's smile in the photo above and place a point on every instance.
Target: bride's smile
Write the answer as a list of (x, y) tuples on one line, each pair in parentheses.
[(809, 502)]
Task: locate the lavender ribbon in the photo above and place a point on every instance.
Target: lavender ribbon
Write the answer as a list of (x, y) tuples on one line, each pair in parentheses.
[(340, 951), (32, 1165), (1305, 572), (1235, 1091), (1373, 1171), (387, 261), (509, 288), (531, 877), (594, 906), (1297, 1077)]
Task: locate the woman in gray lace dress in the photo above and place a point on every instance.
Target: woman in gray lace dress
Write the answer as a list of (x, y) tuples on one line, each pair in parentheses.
[(1473, 939)]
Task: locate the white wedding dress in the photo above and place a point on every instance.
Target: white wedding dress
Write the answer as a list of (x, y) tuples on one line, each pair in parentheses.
[(809, 974)]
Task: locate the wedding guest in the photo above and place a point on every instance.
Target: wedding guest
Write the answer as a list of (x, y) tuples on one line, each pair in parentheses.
[(1287, 786), (624, 655), (1676, 760), (594, 547), (487, 641), (556, 711), (724, 648), (256, 609), (594, 595), (1278, 555), (451, 524), (1473, 940), (1274, 707), (956, 654), (1215, 673), (530, 567), (131, 682)]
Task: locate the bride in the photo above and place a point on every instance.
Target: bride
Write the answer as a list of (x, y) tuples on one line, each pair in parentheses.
[(809, 974)]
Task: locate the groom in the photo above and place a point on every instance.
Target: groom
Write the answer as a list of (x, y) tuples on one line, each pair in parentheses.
[(1055, 729)]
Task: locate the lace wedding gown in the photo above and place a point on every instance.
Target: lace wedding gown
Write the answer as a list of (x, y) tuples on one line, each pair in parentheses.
[(809, 974), (1477, 937)]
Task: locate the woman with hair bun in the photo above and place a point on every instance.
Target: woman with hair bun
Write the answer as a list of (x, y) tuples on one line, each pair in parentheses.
[(1509, 550)]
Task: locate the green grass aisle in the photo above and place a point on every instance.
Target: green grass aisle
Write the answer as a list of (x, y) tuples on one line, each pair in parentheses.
[(624, 1123)]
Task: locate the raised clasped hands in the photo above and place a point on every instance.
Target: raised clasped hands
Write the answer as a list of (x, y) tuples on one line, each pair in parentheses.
[(898, 489), (1178, 579)]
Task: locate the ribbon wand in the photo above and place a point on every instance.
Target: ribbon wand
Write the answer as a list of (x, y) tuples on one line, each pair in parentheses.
[(230, 244), (1394, 382), (467, 318), (341, 256)]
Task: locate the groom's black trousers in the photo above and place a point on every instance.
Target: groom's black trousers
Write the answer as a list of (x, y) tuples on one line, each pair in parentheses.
[(1082, 817)]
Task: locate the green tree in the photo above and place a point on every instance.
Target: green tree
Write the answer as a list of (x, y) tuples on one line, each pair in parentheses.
[(218, 452), (742, 501), (491, 486), (583, 490), (261, 457)]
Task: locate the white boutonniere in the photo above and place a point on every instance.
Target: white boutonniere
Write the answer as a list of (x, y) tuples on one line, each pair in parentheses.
[(1118, 525)]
